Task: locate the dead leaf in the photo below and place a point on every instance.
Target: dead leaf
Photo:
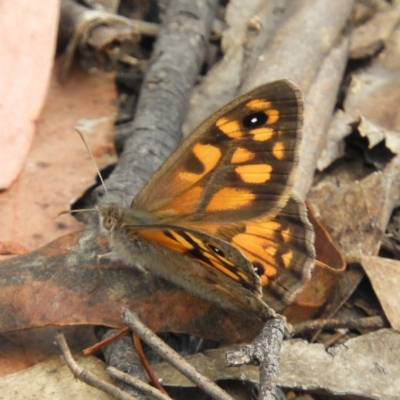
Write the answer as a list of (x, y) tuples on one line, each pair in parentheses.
[(52, 379), (356, 211), (28, 31), (374, 90), (376, 134), (58, 167), (329, 266), (335, 147), (23, 349), (369, 38), (384, 275)]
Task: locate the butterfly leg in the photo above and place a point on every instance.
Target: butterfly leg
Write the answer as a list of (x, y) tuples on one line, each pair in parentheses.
[(110, 256)]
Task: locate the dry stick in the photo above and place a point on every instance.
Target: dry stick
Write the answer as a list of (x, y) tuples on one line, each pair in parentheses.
[(204, 383), (122, 355), (177, 58), (99, 345), (137, 383), (266, 349), (145, 363), (156, 130), (334, 338), (376, 322), (86, 376)]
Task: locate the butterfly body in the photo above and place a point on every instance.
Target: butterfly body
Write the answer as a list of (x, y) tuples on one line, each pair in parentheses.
[(219, 217)]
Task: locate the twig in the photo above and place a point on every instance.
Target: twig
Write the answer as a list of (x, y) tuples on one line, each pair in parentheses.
[(156, 130), (145, 363), (122, 356), (86, 376), (137, 383), (99, 345), (334, 338), (204, 383), (264, 350), (375, 322)]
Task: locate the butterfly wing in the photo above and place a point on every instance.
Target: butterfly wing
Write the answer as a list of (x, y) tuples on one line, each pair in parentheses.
[(236, 166), (223, 197), (281, 251)]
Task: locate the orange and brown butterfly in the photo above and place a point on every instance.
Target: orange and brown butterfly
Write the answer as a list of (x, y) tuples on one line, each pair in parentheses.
[(219, 217)]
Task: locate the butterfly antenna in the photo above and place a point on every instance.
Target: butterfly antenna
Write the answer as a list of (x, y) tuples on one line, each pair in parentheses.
[(78, 211), (94, 163)]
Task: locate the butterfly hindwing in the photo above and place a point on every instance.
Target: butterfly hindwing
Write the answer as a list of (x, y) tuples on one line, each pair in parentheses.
[(281, 251), (205, 248)]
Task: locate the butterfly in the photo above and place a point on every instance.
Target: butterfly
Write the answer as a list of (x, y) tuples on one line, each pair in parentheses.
[(219, 217)]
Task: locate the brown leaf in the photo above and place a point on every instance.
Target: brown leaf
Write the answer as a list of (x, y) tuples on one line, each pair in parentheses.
[(28, 31), (375, 90), (369, 38), (384, 275), (22, 349), (58, 167), (356, 210), (328, 267), (53, 380)]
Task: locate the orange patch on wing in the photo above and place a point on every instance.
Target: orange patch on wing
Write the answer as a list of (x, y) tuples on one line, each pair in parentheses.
[(208, 155), (186, 202), (273, 116), (258, 104), (254, 173), (253, 249), (211, 229), (221, 268), (160, 238), (263, 229), (241, 155), (230, 199), (230, 128), (262, 134), (287, 258), (286, 235), (278, 150)]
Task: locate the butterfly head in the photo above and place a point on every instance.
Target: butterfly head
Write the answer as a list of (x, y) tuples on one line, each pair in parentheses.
[(111, 217)]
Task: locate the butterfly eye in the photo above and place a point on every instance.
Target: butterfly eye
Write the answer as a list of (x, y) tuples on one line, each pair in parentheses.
[(215, 250), (255, 120), (108, 222)]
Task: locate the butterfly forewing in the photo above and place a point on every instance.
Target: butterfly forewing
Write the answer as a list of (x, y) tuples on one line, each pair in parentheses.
[(236, 166)]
